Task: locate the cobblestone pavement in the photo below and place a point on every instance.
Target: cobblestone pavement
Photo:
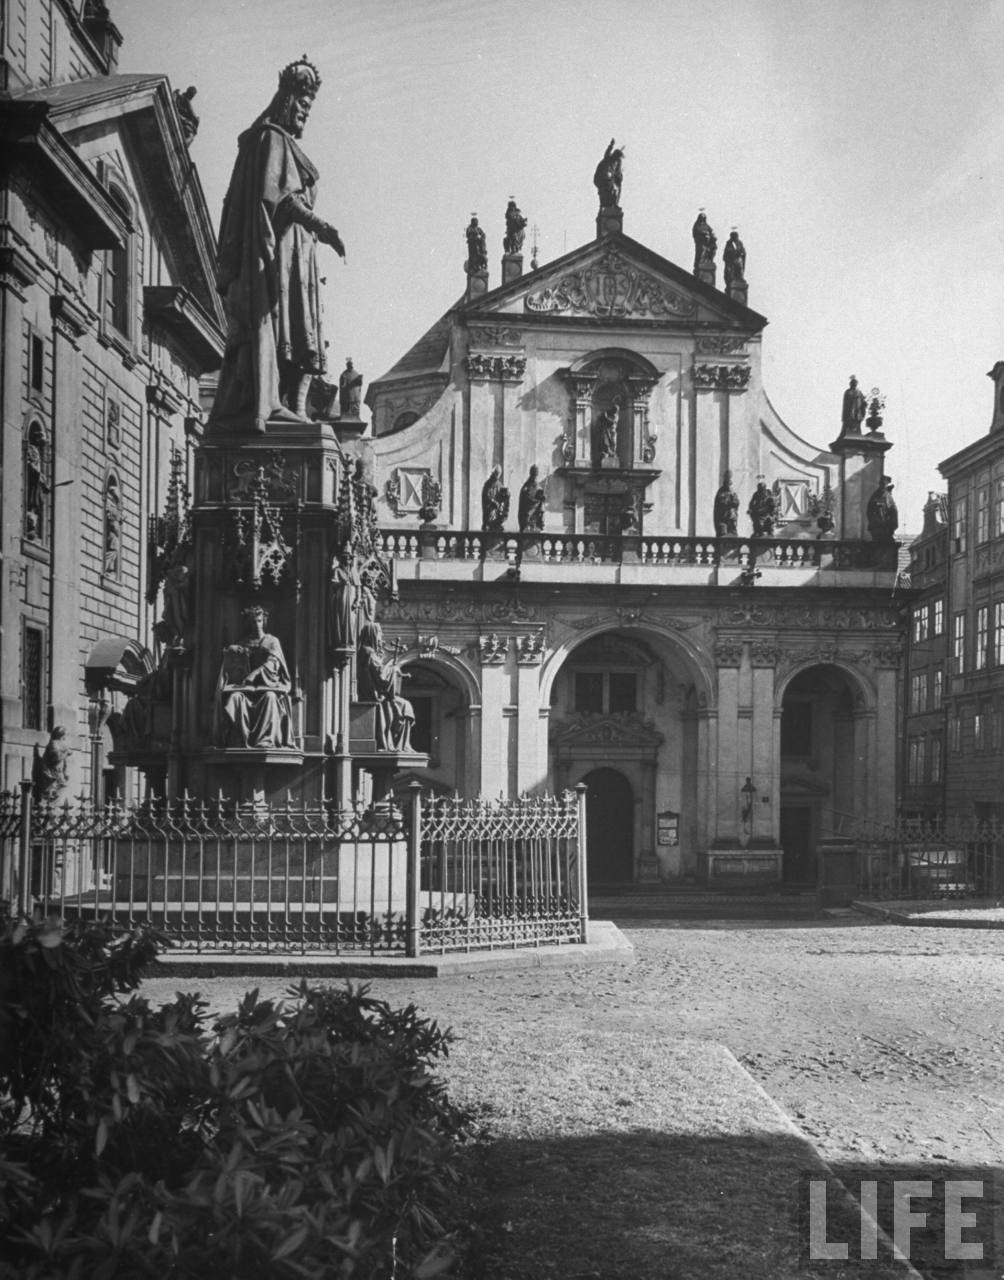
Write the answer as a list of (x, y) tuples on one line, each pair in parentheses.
[(885, 1044)]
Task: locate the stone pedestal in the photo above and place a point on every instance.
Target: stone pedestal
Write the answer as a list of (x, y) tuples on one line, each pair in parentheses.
[(512, 267), (477, 285), (861, 467), (609, 222), (744, 867), (738, 292), (706, 273)]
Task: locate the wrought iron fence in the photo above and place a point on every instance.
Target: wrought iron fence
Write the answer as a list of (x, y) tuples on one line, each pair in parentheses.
[(288, 879), (931, 860)]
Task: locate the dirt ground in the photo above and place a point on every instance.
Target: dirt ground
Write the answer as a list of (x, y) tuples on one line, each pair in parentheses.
[(883, 1043)]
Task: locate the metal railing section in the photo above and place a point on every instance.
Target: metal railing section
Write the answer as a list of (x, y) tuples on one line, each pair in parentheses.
[(298, 879)]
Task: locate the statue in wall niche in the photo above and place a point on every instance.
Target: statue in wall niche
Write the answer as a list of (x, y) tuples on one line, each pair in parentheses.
[(734, 257), (50, 768), (515, 228), (267, 265), (881, 513), (379, 681), (531, 503), (113, 527), (726, 508), (344, 601), (36, 485), (609, 427), (477, 247), (494, 503), (609, 175), (350, 390), (253, 707), (762, 510), (705, 242), (853, 410)]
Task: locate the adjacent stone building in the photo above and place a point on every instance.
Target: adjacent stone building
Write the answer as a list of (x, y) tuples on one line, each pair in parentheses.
[(109, 316), (570, 469)]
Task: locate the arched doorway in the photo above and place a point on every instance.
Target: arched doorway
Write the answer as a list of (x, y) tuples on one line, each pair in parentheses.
[(609, 827)]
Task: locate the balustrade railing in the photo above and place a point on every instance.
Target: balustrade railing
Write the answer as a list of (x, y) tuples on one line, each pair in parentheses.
[(289, 879), (653, 551)]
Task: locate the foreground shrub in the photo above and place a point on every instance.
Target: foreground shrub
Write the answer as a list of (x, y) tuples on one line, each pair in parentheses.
[(306, 1138)]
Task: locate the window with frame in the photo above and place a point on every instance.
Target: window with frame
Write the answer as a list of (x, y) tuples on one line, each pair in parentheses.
[(982, 637), (959, 644), (915, 767), (955, 733), (918, 692), (601, 692), (999, 633), (999, 510), (983, 514), (117, 285), (980, 717), (920, 622), (937, 687), (937, 617), (33, 694), (960, 524), (36, 365), (935, 758)]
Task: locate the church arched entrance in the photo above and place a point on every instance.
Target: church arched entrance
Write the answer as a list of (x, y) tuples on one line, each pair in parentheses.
[(609, 827)]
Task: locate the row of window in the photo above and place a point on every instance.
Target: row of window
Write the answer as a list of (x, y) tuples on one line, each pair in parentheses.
[(988, 648), (928, 619), (987, 728), (924, 759), (926, 690)]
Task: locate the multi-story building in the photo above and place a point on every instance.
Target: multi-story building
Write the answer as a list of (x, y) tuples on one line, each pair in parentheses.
[(109, 317), (974, 621), (729, 699)]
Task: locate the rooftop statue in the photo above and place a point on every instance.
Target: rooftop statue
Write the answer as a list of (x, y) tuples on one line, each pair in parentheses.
[(726, 508), (762, 510), (494, 502), (881, 512), (734, 257), (609, 175), (705, 242), (267, 265), (515, 229), (186, 113), (531, 503), (855, 406), (477, 248), (350, 389)]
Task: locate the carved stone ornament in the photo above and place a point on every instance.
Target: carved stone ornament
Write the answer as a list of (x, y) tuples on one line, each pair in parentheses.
[(493, 649), (113, 424), (429, 646), (728, 653), (888, 655), (734, 377), (763, 654), (256, 549), (720, 344), (627, 732), (612, 286), (413, 491), (648, 449), (530, 649), (496, 336), (273, 479), (482, 367)]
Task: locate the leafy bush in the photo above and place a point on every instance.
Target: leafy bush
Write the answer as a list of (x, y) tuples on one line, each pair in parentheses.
[(299, 1139)]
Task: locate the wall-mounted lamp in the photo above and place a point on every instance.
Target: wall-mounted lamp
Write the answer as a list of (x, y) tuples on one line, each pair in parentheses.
[(748, 793)]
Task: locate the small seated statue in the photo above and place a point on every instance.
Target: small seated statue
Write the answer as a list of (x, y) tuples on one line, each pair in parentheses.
[(380, 682), (253, 707)]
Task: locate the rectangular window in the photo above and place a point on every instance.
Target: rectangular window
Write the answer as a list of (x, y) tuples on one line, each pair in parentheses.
[(980, 728), (623, 691), (955, 732), (999, 633), (982, 637), (935, 758), (997, 730), (920, 624), (589, 691), (918, 692), (937, 687), (999, 510), (959, 644), (938, 618), (32, 677), (915, 772), (36, 364), (983, 514), (960, 524)]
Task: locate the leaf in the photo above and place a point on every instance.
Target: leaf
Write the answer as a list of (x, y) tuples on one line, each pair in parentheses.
[(153, 1235), (440, 1259), (290, 1244), (101, 1138), (132, 1088)]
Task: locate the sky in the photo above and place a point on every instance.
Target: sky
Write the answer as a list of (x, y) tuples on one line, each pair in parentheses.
[(852, 144)]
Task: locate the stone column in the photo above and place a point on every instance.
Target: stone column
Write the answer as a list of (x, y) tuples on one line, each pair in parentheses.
[(883, 778), (861, 466), (730, 763), (510, 368), (706, 458), (642, 451), (764, 767), (482, 456), (531, 745), (494, 733), (580, 430)]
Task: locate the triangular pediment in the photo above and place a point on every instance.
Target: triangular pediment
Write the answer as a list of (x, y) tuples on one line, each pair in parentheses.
[(618, 280), (627, 731)]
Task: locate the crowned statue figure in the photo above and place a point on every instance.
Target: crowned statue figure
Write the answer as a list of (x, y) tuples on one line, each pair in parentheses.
[(266, 267)]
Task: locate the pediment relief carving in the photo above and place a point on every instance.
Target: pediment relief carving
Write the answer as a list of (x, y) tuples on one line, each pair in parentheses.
[(610, 286)]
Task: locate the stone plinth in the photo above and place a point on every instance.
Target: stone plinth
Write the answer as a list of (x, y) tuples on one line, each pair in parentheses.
[(512, 267), (609, 222), (477, 284), (741, 866)]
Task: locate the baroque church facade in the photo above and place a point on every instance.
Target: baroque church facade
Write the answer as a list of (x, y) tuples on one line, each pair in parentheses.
[(617, 565)]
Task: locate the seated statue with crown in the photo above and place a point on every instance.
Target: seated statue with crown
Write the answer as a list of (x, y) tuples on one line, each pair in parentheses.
[(267, 266)]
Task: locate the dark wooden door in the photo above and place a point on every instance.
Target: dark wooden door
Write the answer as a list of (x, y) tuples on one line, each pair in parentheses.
[(609, 827), (799, 863)]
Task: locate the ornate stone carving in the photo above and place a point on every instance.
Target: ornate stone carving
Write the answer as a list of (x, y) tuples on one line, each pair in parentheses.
[(429, 646), (273, 479), (733, 377), (411, 491), (494, 503), (612, 286), (256, 547), (481, 367), (530, 649), (720, 344), (888, 655), (764, 654), (705, 376), (380, 682), (253, 706), (728, 652), (50, 768), (493, 649), (496, 335), (736, 376), (648, 449)]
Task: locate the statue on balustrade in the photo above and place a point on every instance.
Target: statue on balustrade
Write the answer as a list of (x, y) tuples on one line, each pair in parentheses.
[(531, 503), (379, 681), (494, 503), (734, 257), (267, 265), (883, 518), (726, 508), (762, 510), (705, 242), (253, 707), (609, 175), (853, 410), (515, 228), (477, 247)]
